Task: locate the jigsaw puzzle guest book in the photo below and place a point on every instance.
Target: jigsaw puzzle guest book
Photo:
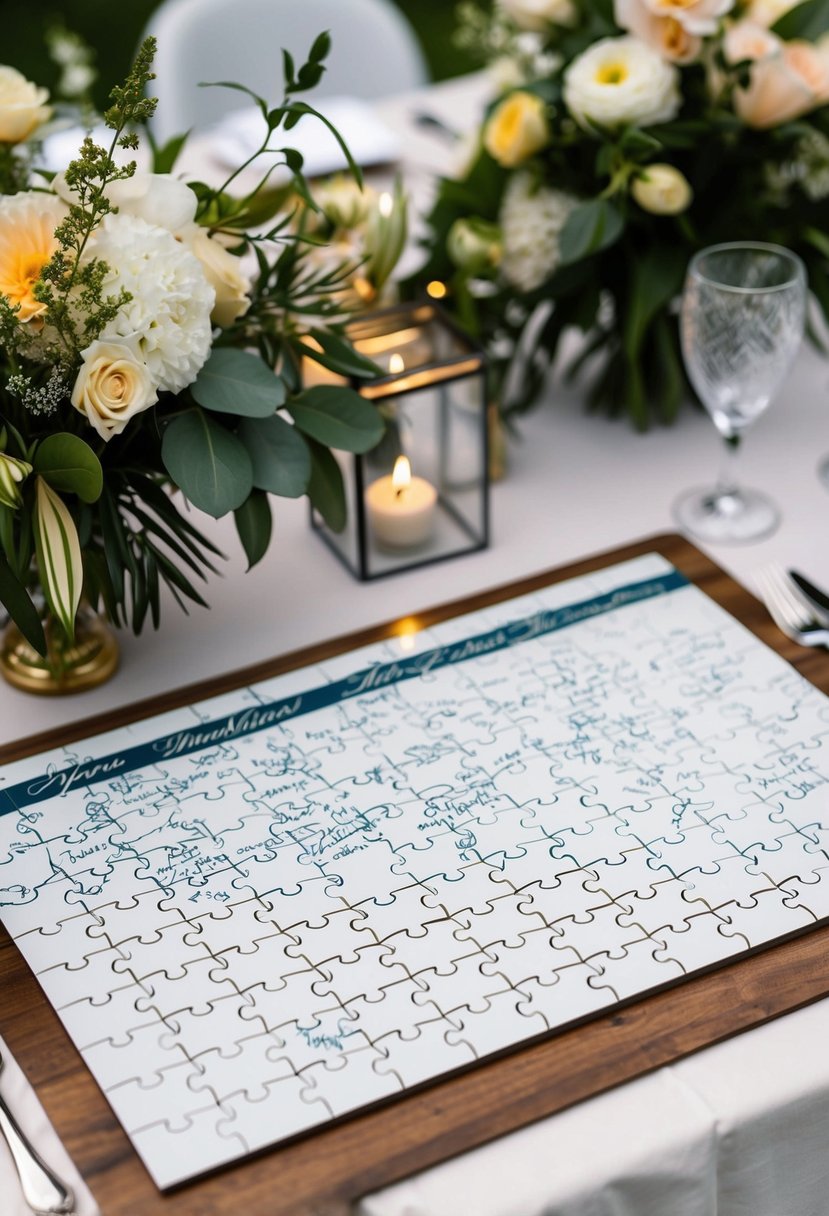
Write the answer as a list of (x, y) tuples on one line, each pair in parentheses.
[(276, 907)]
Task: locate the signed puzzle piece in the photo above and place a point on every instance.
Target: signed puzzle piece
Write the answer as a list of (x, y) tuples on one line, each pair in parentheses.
[(283, 904)]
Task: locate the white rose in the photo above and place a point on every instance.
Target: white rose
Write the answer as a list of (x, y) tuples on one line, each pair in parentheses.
[(621, 80), (223, 272), (662, 190), (156, 198), (22, 106), (538, 14), (113, 384)]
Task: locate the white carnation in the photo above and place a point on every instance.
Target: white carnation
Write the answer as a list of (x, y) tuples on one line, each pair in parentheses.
[(169, 313), (621, 80), (531, 220)]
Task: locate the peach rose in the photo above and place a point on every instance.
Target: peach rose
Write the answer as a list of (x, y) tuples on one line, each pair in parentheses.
[(516, 129), (112, 385), (664, 34), (22, 106), (697, 16), (784, 85), (222, 271)]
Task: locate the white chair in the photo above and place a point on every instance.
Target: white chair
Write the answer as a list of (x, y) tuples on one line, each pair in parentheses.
[(374, 53)]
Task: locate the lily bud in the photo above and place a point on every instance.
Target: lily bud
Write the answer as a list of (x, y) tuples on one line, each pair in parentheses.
[(385, 238), (12, 473), (474, 245)]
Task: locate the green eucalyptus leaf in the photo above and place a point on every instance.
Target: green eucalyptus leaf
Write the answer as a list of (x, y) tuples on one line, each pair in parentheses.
[(279, 456), (809, 20), (254, 525), (70, 465), (238, 382), (15, 599), (337, 417), (325, 489), (590, 227), (338, 355), (209, 463)]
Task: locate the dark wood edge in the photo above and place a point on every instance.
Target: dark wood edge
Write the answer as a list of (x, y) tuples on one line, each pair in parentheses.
[(323, 1173)]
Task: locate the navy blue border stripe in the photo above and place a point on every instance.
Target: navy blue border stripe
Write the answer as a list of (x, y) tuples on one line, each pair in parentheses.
[(56, 782)]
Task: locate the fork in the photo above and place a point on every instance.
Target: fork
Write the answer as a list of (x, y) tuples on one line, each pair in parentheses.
[(42, 1189), (789, 610)]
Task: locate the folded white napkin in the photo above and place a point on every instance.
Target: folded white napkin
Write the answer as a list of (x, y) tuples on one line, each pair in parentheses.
[(369, 140), (22, 1101)]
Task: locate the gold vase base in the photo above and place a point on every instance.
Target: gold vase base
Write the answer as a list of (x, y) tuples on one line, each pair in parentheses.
[(89, 662)]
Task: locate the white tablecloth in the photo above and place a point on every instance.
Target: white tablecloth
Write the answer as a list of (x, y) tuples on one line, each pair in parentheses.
[(740, 1128)]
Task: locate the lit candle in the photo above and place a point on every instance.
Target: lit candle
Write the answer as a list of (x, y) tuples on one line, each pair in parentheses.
[(401, 508)]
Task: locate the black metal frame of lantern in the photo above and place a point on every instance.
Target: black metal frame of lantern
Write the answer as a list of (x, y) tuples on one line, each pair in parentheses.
[(449, 388)]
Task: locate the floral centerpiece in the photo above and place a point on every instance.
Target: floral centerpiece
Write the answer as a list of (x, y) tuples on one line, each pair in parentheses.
[(626, 135), (152, 339)]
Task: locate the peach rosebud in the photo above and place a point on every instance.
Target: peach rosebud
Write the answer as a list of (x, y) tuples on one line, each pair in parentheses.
[(697, 16), (662, 190), (516, 129), (113, 384), (22, 106)]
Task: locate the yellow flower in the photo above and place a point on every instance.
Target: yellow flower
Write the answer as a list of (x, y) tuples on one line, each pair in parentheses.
[(22, 107), (27, 242), (516, 129)]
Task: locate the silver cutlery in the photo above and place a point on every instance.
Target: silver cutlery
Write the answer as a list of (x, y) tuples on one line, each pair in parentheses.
[(42, 1189), (817, 598), (789, 609)]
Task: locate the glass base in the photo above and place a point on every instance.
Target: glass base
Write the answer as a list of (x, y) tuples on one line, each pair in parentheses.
[(91, 661), (735, 518)]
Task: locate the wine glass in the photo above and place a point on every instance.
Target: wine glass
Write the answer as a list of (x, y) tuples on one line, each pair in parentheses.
[(741, 322)]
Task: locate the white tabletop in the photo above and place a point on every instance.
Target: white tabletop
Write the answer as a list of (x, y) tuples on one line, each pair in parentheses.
[(576, 485)]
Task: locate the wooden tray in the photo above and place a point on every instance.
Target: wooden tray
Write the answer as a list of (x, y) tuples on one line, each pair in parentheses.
[(326, 1172)]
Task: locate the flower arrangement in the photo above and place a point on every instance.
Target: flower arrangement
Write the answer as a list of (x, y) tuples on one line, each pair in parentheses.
[(626, 134), (152, 337)]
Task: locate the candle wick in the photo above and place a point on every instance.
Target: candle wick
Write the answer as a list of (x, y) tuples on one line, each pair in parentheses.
[(398, 493)]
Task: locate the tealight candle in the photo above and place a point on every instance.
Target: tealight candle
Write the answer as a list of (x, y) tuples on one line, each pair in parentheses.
[(401, 508)]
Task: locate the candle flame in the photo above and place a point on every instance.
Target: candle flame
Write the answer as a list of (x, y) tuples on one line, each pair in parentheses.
[(385, 204), (401, 476), (396, 364)]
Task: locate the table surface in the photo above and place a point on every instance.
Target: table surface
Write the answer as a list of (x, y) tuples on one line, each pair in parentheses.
[(576, 485)]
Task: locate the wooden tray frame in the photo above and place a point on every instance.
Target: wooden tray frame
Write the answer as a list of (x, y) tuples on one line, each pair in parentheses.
[(324, 1173)]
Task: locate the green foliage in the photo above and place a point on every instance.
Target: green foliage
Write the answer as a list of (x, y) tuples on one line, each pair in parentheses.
[(238, 382), (70, 465), (279, 456), (254, 524), (337, 417), (207, 462)]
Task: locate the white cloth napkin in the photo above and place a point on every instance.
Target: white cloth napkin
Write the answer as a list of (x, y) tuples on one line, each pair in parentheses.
[(30, 1115), (369, 140)]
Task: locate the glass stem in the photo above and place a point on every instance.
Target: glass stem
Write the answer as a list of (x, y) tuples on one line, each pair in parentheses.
[(727, 485)]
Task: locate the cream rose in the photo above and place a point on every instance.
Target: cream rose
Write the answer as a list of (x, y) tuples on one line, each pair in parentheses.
[(662, 190), (621, 80), (22, 106), (223, 272), (538, 14), (698, 16), (474, 245), (665, 35), (748, 40), (113, 384), (516, 129)]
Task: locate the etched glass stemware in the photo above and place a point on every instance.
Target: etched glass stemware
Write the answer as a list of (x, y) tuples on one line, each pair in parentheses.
[(741, 323)]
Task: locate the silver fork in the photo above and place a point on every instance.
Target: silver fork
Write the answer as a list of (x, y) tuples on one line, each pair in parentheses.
[(42, 1189), (789, 610)]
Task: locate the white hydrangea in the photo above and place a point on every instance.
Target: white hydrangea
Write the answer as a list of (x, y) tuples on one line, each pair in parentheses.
[(169, 313), (531, 220)]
